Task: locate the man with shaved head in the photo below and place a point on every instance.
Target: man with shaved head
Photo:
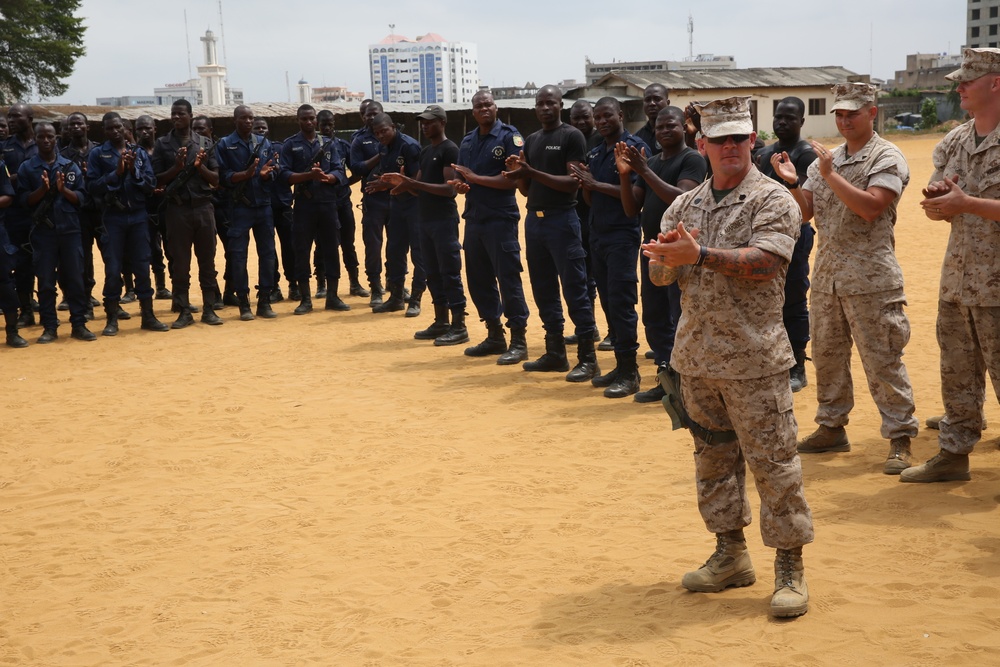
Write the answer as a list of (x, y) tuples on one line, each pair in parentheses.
[(654, 98)]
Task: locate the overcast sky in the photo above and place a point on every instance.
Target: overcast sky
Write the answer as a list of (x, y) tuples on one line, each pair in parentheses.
[(133, 47)]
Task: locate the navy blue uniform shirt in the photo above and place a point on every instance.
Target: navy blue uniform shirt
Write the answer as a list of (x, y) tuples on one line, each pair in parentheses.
[(607, 212), (343, 189), (402, 152), (13, 154), (485, 155), (29, 178), (298, 155), (233, 155), (364, 146), (130, 190)]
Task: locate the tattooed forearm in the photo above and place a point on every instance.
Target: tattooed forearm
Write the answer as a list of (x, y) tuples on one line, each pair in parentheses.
[(661, 275), (748, 263)]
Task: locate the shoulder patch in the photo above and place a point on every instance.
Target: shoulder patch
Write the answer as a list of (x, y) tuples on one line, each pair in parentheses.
[(518, 140), (498, 151)]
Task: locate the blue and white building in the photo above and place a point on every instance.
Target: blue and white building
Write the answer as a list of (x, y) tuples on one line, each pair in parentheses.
[(427, 70)]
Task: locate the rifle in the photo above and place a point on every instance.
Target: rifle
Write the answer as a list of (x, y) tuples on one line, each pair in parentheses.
[(114, 200), (315, 158), (40, 216), (239, 191)]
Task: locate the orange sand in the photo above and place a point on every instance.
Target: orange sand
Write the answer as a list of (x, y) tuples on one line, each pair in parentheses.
[(326, 490)]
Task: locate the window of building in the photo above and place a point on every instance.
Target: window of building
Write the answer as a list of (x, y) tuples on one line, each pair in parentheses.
[(994, 11), (993, 30), (975, 14), (975, 31), (817, 106)]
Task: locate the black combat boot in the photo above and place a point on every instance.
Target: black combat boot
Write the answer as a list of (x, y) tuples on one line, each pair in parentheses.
[(246, 313), (518, 350), (627, 380), (149, 321), (457, 333), (413, 304), (293, 291), (333, 300), (395, 302), (586, 367), (356, 288), (495, 343), (439, 327), (797, 373), (111, 309), (321, 287), (81, 332), (184, 308), (208, 315), (128, 297), (305, 298), (554, 358), (264, 305), (161, 285), (376, 293), (27, 317), (13, 337)]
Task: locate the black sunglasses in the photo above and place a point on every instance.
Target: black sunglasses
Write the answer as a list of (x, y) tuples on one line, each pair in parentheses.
[(737, 139)]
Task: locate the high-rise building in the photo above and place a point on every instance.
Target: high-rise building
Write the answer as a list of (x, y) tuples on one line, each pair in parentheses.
[(427, 70), (982, 24)]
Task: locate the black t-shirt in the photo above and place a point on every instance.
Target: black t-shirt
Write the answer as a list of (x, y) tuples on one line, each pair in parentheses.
[(433, 160), (549, 151), (802, 155), (689, 164)]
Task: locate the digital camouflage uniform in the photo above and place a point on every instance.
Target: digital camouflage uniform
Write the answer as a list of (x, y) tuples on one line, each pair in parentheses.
[(857, 292), (733, 355), (968, 325)]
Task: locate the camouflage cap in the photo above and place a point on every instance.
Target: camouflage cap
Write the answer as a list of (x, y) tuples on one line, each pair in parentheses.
[(721, 118), (853, 96), (976, 63)]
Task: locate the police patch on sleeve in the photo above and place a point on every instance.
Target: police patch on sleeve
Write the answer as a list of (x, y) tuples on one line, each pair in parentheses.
[(498, 151), (70, 177), (518, 141), (400, 160)]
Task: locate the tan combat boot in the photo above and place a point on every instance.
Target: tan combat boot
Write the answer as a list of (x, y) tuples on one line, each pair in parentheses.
[(898, 459), (791, 594), (944, 467), (729, 566), (825, 439)]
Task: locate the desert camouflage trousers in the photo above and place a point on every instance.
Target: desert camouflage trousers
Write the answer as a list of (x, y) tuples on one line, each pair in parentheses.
[(969, 339), (877, 324), (760, 411)]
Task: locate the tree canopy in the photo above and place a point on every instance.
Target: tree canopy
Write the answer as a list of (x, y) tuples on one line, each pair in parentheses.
[(40, 42)]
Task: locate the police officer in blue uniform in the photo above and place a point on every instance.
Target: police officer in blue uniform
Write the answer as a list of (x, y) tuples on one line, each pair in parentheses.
[(374, 206), (18, 147), (400, 153), (78, 149), (247, 168), (345, 208), (614, 245), (120, 177), (492, 249), (145, 138), (8, 295), (552, 233), (281, 214), (311, 164), (51, 188)]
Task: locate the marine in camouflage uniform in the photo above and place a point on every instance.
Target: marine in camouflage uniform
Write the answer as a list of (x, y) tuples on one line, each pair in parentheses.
[(733, 355), (857, 285), (964, 190)]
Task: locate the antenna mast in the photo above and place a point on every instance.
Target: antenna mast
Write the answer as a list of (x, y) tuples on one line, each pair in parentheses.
[(187, 40), (222, 34), (690, 37)]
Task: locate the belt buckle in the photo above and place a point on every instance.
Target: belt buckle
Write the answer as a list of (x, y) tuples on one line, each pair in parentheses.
[(539, 214)]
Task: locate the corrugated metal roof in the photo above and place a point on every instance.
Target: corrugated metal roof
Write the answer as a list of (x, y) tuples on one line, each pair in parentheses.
[(753, 77)]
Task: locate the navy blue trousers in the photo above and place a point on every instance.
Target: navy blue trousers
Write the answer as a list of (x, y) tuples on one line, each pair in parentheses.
[(493, 270), (126, 239), (614, 256), (243, 220), (795, 312), (442, 255), (59, 250)]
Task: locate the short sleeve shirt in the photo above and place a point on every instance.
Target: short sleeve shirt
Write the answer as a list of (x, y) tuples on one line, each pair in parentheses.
[(607, 213), (854, 256), (688, 165), (433, 160), (732, 328), (549, 151), (485, 155), (970, 274)]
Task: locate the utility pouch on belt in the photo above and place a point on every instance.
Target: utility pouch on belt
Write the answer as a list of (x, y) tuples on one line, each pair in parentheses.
[(670, 380)]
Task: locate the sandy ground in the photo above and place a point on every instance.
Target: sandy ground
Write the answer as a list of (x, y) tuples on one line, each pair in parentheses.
[(326, 490)]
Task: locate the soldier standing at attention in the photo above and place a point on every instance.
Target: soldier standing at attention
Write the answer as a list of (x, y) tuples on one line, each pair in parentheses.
[(857, 290), (728, 242)]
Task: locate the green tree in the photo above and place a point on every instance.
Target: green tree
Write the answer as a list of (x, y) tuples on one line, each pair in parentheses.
[(40, 42), (928, 114)]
